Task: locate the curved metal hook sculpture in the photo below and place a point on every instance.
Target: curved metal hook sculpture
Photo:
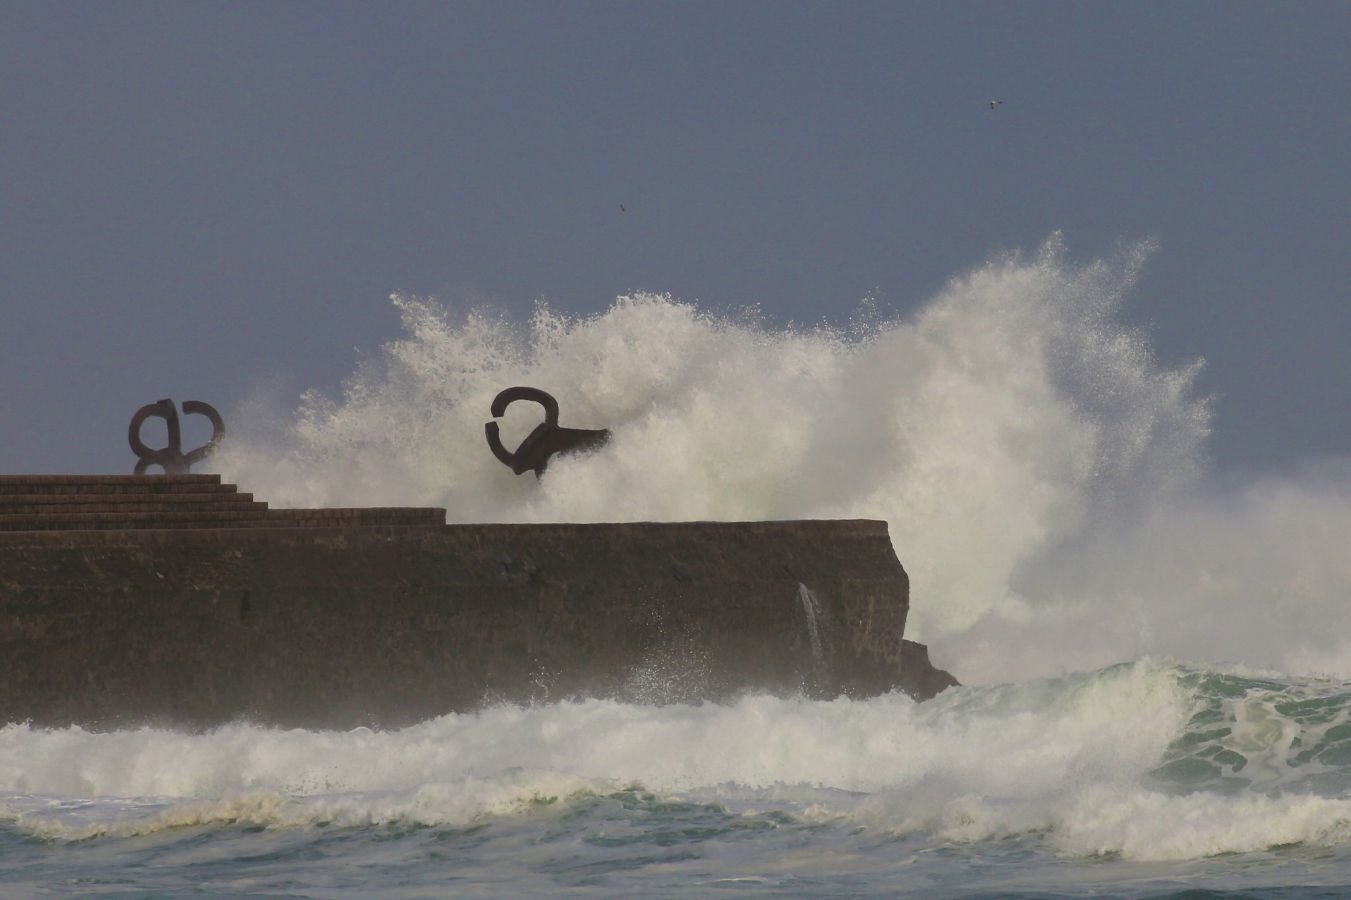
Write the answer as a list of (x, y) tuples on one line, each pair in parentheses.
[(171, 457), (548, 437)]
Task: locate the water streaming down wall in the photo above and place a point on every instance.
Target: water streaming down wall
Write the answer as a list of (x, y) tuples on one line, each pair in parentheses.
[(811, 611)]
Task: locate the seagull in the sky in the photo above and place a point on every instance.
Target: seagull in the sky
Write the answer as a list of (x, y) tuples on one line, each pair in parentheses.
[(994, 103)]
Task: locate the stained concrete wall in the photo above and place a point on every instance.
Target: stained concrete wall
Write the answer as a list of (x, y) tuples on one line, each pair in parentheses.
[(385, 626)]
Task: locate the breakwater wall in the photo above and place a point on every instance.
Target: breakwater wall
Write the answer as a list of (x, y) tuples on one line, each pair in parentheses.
[(335, 619)]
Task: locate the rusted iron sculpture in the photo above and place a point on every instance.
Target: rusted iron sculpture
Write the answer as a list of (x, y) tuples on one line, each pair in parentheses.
[(171, 457), (547, 439)]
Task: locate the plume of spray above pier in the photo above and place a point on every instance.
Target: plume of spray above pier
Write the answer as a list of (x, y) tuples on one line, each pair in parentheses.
[(1042, 474)]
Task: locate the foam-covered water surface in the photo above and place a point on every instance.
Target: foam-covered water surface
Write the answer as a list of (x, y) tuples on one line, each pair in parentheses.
[(1149, 768)]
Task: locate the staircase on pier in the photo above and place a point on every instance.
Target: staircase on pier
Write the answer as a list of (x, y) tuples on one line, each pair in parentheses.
[(132, 502)]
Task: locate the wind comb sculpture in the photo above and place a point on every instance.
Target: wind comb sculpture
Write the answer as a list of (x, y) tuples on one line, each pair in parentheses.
[(171, 457), (548, 437)]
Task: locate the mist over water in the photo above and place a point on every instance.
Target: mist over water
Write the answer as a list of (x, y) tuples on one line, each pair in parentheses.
[(1042, 474)]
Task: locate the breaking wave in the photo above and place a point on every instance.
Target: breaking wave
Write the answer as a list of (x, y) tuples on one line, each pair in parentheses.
[(1041, 472), (1143, 760)]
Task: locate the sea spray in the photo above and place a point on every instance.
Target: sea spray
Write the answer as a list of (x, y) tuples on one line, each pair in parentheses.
[(1040, 472), (1256, 575)]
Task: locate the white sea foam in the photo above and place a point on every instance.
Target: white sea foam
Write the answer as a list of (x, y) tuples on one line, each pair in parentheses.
[(1017, 739), (1073, 758), (1135, 823)]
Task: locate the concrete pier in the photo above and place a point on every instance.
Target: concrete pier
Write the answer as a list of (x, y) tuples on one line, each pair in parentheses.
[(178, 600)]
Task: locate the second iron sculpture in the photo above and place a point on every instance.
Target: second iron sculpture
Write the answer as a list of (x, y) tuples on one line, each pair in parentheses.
[(171, 457), (548, 437)]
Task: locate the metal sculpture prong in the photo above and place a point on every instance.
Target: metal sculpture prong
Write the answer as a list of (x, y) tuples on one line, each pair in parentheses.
[(171, 457), (547, 439)]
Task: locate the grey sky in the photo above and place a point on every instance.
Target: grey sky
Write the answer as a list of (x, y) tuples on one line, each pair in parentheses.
[(198, 199)]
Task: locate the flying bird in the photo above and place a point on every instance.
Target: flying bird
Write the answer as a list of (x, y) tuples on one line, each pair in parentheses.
[(994, 103)]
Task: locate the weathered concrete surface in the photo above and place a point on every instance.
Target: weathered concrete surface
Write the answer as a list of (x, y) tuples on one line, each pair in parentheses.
[(385, 626), (177, 599)]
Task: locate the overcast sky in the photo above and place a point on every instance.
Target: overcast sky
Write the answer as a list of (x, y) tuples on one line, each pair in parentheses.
[(198, 199)]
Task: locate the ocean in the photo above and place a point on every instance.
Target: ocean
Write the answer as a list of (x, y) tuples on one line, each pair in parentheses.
[(1156, 661)]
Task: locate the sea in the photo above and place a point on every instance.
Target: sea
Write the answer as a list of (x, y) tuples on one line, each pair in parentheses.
[(1155, 660)]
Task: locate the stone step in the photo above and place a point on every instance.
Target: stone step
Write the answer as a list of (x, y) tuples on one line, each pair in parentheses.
[(110, 479), (113, 484), (45, 523), (261, 518), (138, 502), (58, 502), (363, 515), (127, 503), (125, 519)]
